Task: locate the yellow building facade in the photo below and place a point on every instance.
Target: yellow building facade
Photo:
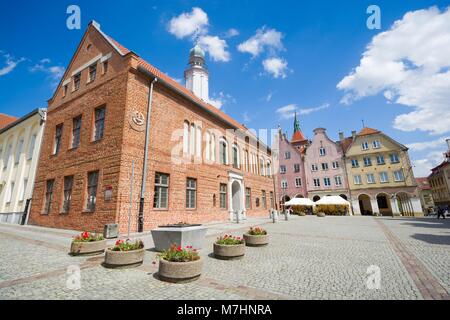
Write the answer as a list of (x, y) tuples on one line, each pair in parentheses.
[(380, 176)]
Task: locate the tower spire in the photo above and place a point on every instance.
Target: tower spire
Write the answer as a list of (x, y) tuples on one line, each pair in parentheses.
[(296, 123)]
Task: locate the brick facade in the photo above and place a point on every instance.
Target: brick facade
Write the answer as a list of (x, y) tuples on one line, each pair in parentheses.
[(124, 90)]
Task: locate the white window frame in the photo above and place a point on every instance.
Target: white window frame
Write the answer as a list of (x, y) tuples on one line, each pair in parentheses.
[(326, 182), (357, 179), (396, 176), (372, 178), (322, 151), (364, 146), (298, 182), (338, 181), (384, 177)]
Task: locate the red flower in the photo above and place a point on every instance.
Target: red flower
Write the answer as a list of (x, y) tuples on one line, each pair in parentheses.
[(179, 248), (119, 242), (85, 235)]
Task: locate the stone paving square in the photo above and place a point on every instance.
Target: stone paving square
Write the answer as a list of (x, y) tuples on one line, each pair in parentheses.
[(307, 258)]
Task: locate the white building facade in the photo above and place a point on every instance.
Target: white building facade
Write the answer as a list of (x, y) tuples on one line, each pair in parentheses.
[(20, 144)]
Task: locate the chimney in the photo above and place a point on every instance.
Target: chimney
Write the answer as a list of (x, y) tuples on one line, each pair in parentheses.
[(341, 136), (353, 134)]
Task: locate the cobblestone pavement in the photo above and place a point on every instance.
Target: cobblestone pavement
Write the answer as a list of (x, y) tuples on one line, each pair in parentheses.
[(307, 258)]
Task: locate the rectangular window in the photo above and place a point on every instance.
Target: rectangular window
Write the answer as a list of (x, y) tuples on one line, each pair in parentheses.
[(76, 81), (264, 199), (287, 155), (338, 181), (376, 144), (92, 190), (68, 184), (18, 152), (394, 158), (58, 138), (355, 163), (322, 151), (327, 182), (282, 169), (314, 167), (92, 72), (223, 196), (48, 196), (76, 131), (23, 190), (296, 168), (31, 147), (248, 198), (316, 182), (367, 161), (7, 156), (191, 192), (324, 166), (105, 66), (272, 204), (370, 178), (99, 123), (10, 192), (398, 176), (298, 182), (380, 159), (357, 179), (161, 196), (284, 184), (335, 164), (365, 145), (384, 177)]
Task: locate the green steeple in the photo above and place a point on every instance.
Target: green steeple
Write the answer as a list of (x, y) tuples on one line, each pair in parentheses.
[(296, 123)]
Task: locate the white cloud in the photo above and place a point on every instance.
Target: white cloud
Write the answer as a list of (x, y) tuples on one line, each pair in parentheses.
[(409, 64), (434, 144), (54, 72), (311, 110), (216, 47), (11, 64), (422, 167), (277, 67), (232, 32), (287, 112), (189, 23), (246, 117), (263, 39), (221, 99)]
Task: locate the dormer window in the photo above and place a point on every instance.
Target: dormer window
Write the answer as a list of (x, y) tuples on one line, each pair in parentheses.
[(76, 81), (105, 67), (92, 72)]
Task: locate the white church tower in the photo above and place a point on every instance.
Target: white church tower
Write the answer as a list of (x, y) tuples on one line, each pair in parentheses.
[(196, 76)]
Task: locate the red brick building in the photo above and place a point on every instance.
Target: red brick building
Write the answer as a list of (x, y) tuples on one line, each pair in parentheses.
[(202, 165)]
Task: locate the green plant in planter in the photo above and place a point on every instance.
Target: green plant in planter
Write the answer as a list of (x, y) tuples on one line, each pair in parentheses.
[(88, 237), (257, 231), (127, 245), (178, 254), (229, 240)]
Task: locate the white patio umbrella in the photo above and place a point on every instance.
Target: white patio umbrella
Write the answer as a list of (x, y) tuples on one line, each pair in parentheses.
[(334, 201), (300, 202)]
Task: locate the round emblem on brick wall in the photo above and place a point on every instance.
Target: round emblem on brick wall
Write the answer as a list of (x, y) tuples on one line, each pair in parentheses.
[(137, 121)]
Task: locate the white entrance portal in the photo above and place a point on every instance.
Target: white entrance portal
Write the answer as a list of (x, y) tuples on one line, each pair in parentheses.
[(236, 198)]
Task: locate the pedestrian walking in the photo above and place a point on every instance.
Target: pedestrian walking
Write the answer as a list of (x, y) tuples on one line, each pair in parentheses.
[(441, 212)]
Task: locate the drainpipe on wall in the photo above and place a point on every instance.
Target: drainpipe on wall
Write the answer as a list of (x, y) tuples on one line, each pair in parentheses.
[(144, 168)]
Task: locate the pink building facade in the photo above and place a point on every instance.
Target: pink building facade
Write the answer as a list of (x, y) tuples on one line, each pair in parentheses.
[(324, 167)]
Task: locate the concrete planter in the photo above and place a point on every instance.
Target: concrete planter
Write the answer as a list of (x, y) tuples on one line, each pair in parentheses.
[(256, 241), (124, 259), (180, 272), (88, 248), (229, 252), (164, 237), (320, 214)]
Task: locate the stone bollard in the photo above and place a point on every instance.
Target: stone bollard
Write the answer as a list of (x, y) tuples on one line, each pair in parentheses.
[(286, 215)]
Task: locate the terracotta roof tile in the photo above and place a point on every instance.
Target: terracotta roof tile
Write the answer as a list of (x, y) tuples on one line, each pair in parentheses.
[(298, 136), (423, 183), (6, 119), (367, 131)]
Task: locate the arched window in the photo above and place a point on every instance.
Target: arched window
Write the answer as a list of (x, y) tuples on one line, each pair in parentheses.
[(213, 147), (223, 151), (198, 141), (269, 169), (208, 146), (192, 140), (236, 162), (186, 137), (261, 167)]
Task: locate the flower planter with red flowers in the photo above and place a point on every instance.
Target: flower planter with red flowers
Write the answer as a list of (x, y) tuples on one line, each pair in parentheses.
[(178, 265), (125, 254), (88, 244), (228, 247), (256, 237)]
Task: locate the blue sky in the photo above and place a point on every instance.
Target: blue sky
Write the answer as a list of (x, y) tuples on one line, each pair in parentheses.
[(266, 59)]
